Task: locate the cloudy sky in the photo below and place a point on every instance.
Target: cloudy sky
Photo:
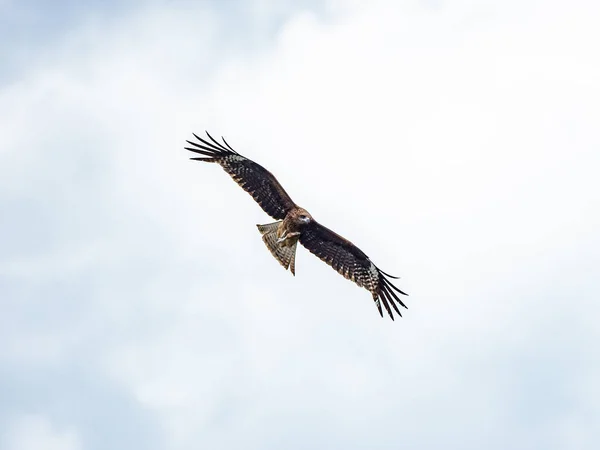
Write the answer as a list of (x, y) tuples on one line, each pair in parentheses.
[(455, 141)]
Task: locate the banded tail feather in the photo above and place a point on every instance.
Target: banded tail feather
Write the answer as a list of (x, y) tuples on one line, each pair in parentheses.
[(286, 255)]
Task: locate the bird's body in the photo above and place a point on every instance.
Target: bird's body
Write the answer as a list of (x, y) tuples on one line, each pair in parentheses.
[(294, 224)]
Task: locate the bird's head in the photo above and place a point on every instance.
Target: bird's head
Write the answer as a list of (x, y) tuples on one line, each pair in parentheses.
[(302, 217)]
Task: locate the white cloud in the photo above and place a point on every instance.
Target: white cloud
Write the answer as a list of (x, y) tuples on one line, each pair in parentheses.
[(454, 142), (34, 432)]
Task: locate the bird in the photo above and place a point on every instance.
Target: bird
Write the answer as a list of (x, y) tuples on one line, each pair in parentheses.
[(294, 224)]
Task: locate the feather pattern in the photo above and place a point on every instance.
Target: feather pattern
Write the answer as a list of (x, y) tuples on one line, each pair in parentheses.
[(338, 252), (252, 177), (286, 255), (348, 260)]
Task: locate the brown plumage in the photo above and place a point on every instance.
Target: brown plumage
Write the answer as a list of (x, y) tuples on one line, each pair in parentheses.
[(295, 224)]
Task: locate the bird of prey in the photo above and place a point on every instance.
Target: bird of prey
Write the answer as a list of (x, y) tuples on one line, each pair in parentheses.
[(295, 224)]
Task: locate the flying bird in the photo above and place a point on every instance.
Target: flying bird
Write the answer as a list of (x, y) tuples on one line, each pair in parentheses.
[(294, 224)]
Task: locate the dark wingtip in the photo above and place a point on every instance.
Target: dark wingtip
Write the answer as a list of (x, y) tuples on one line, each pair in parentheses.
[(387, 289), (378, 302), (385, 293), (217, 143), (387, 274), (210, 137), (229, 146), (389, 284), (203, 159)]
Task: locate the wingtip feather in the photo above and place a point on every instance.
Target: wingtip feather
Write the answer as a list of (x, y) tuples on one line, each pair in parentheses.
[(229, 146)]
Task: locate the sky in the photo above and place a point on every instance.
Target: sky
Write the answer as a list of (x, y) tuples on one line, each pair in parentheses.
[(455, 142)]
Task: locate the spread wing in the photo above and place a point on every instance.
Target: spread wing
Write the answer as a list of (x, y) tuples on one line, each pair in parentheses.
[(352, 263), (252, 177)]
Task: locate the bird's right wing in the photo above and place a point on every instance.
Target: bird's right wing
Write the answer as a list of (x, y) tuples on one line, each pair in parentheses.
[(252, 177)]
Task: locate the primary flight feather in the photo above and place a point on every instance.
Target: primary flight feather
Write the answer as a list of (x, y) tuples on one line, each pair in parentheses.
[(296, 224)]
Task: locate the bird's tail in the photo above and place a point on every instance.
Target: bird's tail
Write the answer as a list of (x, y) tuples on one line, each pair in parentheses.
[(286, 255)]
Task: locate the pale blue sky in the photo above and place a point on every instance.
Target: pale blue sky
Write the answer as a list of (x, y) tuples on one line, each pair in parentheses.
[(455, 142)]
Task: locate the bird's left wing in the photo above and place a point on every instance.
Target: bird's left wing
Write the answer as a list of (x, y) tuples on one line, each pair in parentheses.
[(352, 263), (252, 177)]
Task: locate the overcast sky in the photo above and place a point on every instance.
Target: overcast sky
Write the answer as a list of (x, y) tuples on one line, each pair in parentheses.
[(455, 142)]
